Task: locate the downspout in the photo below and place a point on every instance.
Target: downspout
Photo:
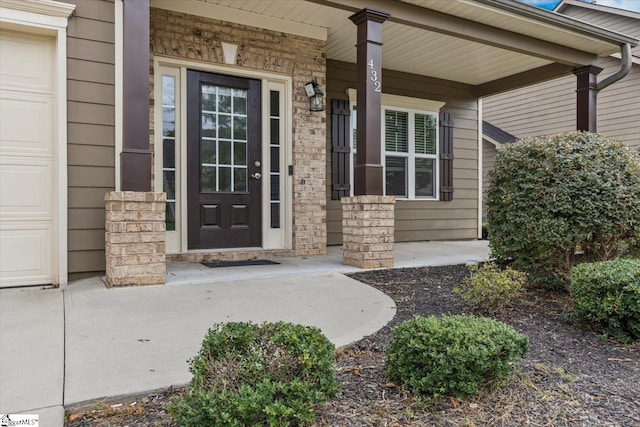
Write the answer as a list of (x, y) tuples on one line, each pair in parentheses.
[(625, 51), (588, 89)]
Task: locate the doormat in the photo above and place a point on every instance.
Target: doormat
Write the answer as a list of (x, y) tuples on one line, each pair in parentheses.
[(216, 264)]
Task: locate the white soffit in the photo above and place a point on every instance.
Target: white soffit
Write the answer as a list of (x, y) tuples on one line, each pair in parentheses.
[(256, 13), (406, 49)]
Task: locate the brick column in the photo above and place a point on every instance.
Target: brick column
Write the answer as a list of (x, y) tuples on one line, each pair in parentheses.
[(367, 231), (135, 238)]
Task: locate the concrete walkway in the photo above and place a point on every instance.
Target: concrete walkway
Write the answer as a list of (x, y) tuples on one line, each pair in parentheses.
[(64, 347)]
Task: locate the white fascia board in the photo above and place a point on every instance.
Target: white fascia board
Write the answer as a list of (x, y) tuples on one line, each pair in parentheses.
[(199, 8), (39, 13)]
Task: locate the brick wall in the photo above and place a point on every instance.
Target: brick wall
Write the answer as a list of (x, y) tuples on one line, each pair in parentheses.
[(198, 38)]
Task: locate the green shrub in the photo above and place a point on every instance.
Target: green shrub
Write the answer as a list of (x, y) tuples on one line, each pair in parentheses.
[(490, 288), (608, 294), (257, 375), (452, 355), (551, 195), (485, 230)]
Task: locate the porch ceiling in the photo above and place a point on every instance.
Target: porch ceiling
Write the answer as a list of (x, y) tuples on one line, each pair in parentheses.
[(477, 42)]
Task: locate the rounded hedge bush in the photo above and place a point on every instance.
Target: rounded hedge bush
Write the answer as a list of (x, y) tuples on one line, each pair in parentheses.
[(490, 288), (551, 196), (258, 375), (608, 294), (452, 355)]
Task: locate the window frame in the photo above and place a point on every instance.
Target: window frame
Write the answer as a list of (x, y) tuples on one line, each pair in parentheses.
[(412, 106)]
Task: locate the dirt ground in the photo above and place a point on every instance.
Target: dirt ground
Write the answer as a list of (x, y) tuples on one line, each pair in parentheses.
[(571, 376)]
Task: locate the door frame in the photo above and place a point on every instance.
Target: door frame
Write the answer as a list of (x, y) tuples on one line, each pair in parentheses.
[(177, 241), (50, 18)]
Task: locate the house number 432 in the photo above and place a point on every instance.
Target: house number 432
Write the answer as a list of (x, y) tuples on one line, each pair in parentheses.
[(377, 85)]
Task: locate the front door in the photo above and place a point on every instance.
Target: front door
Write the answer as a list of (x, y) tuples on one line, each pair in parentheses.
[(223, 161)]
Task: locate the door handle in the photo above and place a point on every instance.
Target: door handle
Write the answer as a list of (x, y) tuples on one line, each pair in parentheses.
[(256, 175)]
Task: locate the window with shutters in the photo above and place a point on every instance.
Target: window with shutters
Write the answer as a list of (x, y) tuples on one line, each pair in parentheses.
[(417, 147), (410, 148)]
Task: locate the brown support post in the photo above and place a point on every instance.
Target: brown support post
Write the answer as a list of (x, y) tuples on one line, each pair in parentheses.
[(368, 167), (586, 97), (135, 159)]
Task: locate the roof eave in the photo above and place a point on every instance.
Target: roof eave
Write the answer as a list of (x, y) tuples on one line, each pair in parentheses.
[(560, 7), (561, 21)]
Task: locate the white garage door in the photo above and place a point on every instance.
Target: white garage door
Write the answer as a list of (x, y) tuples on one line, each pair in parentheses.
[(27, 154)]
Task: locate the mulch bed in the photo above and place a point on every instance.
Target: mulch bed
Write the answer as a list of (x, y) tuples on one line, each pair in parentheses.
[(570, 377)]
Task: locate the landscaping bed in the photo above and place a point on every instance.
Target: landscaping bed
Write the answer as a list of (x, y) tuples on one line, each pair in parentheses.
[(570, 376)]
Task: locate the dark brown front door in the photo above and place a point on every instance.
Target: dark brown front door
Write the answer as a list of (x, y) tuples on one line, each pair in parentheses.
[(223, 161)]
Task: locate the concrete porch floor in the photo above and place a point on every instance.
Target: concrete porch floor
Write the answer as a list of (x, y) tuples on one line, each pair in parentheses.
[(411, 254)]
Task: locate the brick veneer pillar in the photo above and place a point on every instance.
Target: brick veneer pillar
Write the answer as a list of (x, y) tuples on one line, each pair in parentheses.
[(135, 238), (367, 231)]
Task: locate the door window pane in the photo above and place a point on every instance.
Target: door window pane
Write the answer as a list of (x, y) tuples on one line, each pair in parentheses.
[(208, 125), (170, 218), (224, 100), (224, 126), (275, 130), (224, 175), (240, 128), (208, 179), (240, 154), (275, 161), (168, 153), (224, 153), (208, 151), (208, 98), (239, 179), (169, 148), (168, 121), (239, 101), (168, 90), (275, 122)]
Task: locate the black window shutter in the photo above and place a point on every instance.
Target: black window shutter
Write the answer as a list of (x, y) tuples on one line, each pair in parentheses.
[(446, 157), (340, 149)]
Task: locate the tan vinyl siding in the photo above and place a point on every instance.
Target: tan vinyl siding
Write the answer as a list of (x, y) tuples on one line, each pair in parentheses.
[(549, 108), (91, 133), (619, 104), (543, 109), (622, 24), (418, 220)]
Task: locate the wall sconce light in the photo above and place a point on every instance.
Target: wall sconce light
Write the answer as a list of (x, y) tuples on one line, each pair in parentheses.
[(315, 95)]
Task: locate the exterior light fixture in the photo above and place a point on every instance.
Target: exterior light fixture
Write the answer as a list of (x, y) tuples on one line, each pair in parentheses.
[(315, 96)]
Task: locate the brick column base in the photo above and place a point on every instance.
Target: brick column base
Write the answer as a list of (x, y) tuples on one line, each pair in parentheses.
[(135, 238), (367, 231)]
